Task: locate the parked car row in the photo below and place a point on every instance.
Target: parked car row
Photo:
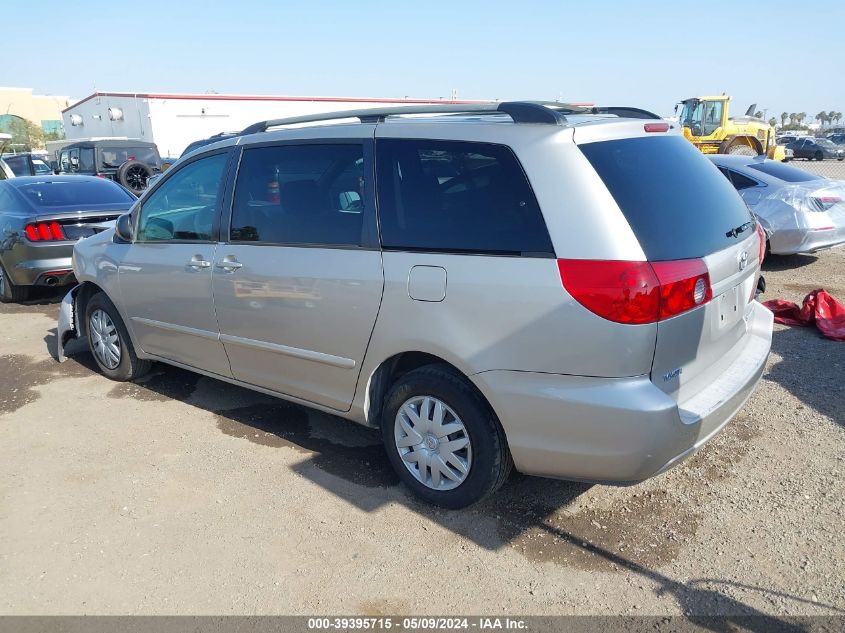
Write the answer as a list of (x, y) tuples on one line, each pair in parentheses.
[(816, 149), (486, 289)]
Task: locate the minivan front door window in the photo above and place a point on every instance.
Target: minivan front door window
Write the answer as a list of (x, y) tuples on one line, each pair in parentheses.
[(183, 208)]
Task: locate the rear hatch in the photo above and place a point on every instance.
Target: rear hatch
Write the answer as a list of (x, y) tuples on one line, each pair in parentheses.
[(685, 214)]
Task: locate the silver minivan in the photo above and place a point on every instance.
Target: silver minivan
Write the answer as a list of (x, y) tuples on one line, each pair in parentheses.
[(566, 291)]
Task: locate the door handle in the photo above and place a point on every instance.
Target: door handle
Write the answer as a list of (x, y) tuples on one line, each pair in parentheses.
[(198, 263), (229, 264)]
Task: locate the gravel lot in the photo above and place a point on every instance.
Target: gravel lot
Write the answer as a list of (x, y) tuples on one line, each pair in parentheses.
[(185, 495)]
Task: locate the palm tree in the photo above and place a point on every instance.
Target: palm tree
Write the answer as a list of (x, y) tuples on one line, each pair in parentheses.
[(783, 117), (821, 117), (830, 116), (758, 114), (773, 122), (793, 117), (838, 117), (801, 117)]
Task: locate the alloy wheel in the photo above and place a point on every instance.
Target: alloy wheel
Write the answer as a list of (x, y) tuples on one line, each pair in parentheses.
[(136, 178)]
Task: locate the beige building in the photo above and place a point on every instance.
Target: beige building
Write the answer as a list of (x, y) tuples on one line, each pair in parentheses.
[(44, 111)]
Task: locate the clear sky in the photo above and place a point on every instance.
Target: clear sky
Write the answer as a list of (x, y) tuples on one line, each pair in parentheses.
[(778, 54)]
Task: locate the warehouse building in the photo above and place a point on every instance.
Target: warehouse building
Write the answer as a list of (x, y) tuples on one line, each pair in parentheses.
[(172, 121)]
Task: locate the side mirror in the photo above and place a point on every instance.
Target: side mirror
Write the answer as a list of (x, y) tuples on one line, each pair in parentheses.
[(123, 227)]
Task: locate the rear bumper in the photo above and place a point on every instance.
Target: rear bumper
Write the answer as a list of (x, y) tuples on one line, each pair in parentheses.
[(27, 264), (795, 241), (618, 430)]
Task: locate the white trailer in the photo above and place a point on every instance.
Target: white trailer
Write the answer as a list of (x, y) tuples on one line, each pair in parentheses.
[(172, 121)]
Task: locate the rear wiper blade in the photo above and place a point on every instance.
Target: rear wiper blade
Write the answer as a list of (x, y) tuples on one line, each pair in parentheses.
[(734, 232)]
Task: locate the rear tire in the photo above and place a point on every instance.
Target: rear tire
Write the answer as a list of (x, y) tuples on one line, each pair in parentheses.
[(476, 470), (9, 292), (109, 341)]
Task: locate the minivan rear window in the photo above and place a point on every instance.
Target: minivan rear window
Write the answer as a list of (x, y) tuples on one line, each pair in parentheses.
[(457, 197), (675, 200)]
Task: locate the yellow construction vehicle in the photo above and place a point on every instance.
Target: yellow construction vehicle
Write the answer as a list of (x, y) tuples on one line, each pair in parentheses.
[(707, 125)]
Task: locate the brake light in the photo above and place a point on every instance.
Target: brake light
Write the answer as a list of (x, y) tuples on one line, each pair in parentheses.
[(636, 292), (656, 127), (761, 235), (684, 285), (44, 232), (826, 202)]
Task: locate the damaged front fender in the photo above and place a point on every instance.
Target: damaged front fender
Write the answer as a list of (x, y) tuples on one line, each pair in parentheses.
[(68, 328)]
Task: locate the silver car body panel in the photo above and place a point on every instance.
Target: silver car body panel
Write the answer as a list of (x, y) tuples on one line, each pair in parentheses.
[(297, 320), (793, 222), (578, 396), (170, 303)]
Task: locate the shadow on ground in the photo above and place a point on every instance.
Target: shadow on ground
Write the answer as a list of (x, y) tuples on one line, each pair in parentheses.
[(42, 301), (776, 263), (542, 519), (811, 369)]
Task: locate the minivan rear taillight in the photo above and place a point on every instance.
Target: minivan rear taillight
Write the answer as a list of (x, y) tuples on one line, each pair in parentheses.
[(636, 292), (761, 235)]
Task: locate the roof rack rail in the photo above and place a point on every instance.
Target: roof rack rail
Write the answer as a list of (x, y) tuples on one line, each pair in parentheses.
[(544, 112), (519, 111)]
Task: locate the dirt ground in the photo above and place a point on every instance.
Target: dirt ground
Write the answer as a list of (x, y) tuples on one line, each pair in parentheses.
[(184, 495)]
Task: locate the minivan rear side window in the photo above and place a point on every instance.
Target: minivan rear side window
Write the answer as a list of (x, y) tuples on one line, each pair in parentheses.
[(300, 195), (462, 197), (675, 200)]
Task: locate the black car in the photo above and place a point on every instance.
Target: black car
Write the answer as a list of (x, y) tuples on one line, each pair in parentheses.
[(816, 148), (27, 164), (129, 162), (837, 139)]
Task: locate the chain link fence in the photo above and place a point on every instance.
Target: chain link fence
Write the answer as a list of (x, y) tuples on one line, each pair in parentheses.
[(825, 168)]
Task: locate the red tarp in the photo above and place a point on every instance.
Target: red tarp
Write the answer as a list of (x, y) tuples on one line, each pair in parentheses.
[(819, 308)]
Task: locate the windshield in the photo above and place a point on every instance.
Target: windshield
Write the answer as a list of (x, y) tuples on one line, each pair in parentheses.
[(675, 200), (824, 142), (703, 118), (80, 193), (784, 172)]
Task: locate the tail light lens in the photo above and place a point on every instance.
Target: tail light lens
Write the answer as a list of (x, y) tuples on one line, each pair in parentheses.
[(44, 232), (636, 292), (761, 235), (826, 202), (684, 285)]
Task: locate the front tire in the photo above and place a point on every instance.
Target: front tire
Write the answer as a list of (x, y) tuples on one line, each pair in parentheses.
[(442, 439), (109, 341), (9, 292)]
